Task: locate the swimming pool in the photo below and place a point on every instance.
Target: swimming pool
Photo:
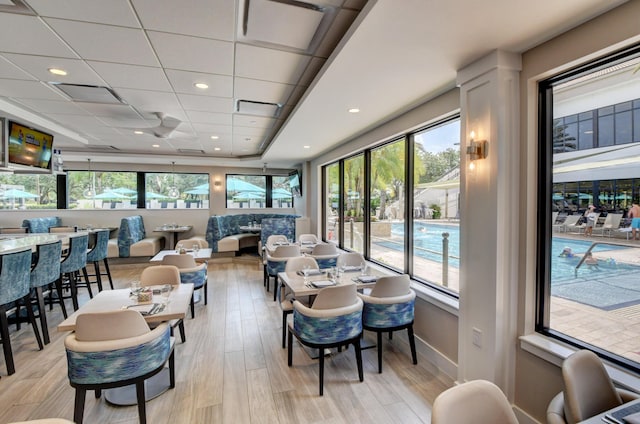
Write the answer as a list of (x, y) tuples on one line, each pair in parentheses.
[(428, 245)]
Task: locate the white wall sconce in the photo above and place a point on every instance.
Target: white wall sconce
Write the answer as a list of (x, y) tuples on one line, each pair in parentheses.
[(476, 150), (217, 185)]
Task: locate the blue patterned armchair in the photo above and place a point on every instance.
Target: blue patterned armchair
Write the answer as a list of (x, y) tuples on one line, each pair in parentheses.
[(115, 349), (388, 308), (41, 225), (190, 272), (334, 320), (277, 261)]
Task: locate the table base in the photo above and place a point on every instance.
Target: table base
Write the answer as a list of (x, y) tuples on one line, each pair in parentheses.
[(126, 395)]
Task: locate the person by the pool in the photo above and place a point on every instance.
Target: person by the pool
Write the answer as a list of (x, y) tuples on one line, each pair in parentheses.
[(634, 214), (591, 216), (567, 253)]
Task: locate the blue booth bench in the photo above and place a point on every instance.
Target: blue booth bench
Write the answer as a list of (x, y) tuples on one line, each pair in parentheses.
[(132, 240), (224, 234), (41, 225)]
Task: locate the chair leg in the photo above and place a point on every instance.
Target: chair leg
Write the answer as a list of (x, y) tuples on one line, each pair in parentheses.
[(60, 298), (84, 272), (78, 409), (321, 368), (32, 320), (379, 336), (358, 350), (172, 370), (183, 336), (74, 290), (193, 313), (412, 344), (43, 316), (106, 267), (284, 329), (142, 410), (290, 348), (96, 267), (6, 341), (206, 289), (276, 289)]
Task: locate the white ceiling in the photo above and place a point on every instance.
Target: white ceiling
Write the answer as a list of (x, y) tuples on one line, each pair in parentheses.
[(395, 54)]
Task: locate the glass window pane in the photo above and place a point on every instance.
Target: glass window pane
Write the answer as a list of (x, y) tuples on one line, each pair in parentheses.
[(281, 196), (585, 134), (246, 191), (387, 239), (636, 125), (436, 199), (354, 203), (166, 190), (332, 205), (102, 190), (587, 296), (28, 191)]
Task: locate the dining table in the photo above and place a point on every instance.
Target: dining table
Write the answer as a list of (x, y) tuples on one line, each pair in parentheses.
[(173, 231), (153, 312), (201, 255)]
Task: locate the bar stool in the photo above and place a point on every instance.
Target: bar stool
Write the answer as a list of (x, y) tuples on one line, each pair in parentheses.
[(14, 289), (95, 255), (44, 272), (72, 264)]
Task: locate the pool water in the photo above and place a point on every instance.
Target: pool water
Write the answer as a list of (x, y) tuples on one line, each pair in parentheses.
[(428, 245)]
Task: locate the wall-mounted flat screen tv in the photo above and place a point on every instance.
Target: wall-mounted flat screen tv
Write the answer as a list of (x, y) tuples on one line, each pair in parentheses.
[(29, 147), (295, 184)]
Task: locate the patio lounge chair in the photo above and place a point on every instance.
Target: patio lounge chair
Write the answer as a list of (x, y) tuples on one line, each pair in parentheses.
[(569, 222), (611, 223)]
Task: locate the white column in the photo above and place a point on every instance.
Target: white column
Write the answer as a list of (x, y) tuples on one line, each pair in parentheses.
[(488, 225)]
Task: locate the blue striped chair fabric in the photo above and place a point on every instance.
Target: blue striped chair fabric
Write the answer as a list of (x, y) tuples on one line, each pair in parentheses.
[(45, 271), (77, 257)]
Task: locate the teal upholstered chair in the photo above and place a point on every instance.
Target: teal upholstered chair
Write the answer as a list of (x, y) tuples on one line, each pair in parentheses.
[(15, 290), (286, 300), (334, 320), (45, 272), (326, 254), (159, 275), (276, 263), (388, 308), (72, 264), (190, 272), (96, 254), (115, 349)]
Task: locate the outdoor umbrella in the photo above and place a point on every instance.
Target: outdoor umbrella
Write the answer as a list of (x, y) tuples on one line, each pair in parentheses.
[(197, 190), (234, 184), (281, 193), (14, 193), (152, 195), (123, 190), (110, 195)]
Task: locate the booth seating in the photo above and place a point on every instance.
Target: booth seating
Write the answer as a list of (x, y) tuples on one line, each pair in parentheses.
[(224, 233), (133, 241), (41, 225)]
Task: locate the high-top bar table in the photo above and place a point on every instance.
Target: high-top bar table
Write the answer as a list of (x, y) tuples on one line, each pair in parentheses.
[(9, 242)]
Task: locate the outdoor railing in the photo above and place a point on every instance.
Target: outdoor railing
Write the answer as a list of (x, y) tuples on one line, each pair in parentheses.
[(593, 245)]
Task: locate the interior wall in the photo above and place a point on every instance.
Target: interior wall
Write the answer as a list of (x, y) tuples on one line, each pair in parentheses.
[(537, 380)]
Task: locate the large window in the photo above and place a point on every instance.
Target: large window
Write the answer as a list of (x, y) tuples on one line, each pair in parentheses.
[(101, 190), (176, 191), (28, 191), (587, 283), (398, 204)]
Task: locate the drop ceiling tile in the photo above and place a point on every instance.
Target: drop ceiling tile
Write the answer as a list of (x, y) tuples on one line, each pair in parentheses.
[(193, 54), (200, 18), (183, 82), (251, 132), (212, 129), (112, 12), (21, 89), (261, 91), (110, 111), (53, 106), (77, 70), (106, 43), (269, 64), (29, 35), (80, 123), (11, 71), (252, 121), (209, 118), (132, 76), (206, 103)]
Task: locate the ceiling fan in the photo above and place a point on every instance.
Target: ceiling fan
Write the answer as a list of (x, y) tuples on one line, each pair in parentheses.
[(166, 128)]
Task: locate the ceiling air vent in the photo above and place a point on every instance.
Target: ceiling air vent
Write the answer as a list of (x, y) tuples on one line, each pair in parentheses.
[(250, 107), (88, 93), (191, 151), (294, 24), (104, 148)]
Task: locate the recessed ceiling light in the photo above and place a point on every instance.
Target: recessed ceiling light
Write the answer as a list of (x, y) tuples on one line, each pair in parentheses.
[(214, 137), (56, 71), (155, 145), (307, 147), (201, 85), (354, 110), (138, 132), (217, 149)]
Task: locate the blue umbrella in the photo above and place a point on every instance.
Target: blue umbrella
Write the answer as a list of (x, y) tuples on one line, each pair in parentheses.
[(123, 190), (152, 195), (197, 190), (234, 184), (14, 193)]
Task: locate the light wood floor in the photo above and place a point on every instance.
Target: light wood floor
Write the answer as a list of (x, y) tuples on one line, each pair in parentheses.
[(232, 369)]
